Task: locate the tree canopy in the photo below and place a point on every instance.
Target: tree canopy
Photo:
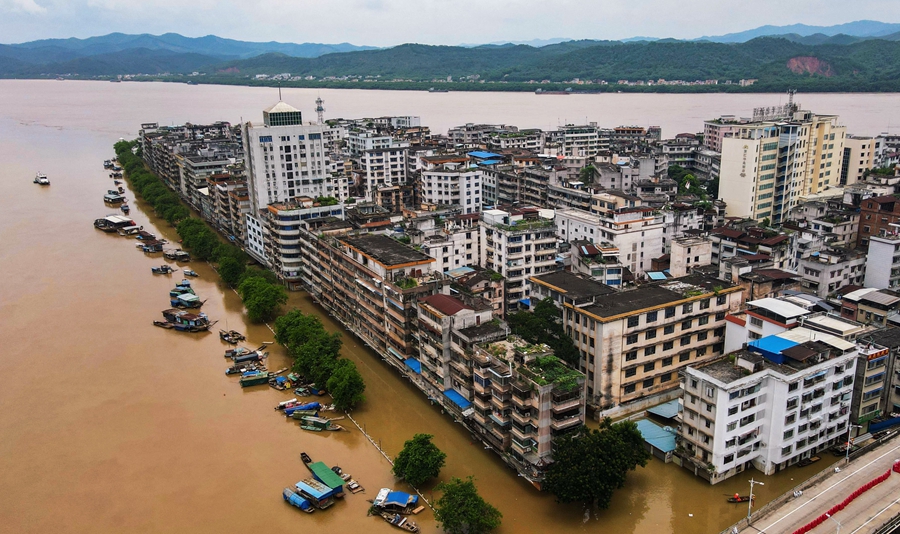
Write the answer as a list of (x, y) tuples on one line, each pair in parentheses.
[(346, 385), (461, 510), (261, 298), (589, 465), (419, 461), (544, 325)]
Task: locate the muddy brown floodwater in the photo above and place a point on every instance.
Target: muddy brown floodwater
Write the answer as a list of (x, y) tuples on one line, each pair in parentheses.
[(110, 425)]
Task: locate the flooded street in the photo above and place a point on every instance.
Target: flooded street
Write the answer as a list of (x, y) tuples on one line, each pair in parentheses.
[(111, 425)]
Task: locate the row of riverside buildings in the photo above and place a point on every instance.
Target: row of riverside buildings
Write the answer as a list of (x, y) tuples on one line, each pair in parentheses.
[(773, 328)]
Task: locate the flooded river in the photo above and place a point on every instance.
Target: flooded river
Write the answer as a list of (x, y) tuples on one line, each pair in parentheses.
[(111, 425)]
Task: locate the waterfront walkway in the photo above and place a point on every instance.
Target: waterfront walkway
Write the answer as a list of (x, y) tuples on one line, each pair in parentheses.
[(865, 514)]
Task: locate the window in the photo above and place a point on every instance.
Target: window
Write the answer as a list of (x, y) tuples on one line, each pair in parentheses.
[(728, 458), (731, 426), (649, 366), (702, 336), (670, 329), (651, 317), (632, 339), (710, 392), (703, 320), (733, 410), (633, 321), (650, 334), (720, 300), (756, 321), (790, 419), (704, 304), (667, 361), (694, 383), (650, 351), (631, 355), (686, 324), (686, 340), (670, 312), (631, 371), (786, 450), (687, 308), (629, 389), (665, 377), (684, 357), (647, 383), (788, 434), (668, 345), (793, 386)]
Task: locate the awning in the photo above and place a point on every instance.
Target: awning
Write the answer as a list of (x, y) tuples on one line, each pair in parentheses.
[(457, 398), (395, 353), (414, 364)]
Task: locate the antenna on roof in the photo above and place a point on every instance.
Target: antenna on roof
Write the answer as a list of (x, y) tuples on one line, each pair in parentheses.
[(279, 92)]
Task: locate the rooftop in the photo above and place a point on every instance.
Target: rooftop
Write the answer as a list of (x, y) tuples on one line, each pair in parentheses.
[(445, 304), (781, 307), (657, 295), (386, 251), (572, 285)]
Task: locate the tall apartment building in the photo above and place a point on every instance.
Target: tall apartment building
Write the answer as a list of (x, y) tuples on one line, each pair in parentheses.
[(453, 184), (634, 342), (285, 159), (883, 262), (776, 403), (859, 156), (518, 244), (768, 166)]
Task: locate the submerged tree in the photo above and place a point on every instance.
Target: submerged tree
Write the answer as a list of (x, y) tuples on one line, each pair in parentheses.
[(589, 465), (419, 461), (346, 385), (461, 510)]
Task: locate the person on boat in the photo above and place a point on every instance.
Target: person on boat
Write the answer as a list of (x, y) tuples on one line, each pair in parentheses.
[(737, 496)]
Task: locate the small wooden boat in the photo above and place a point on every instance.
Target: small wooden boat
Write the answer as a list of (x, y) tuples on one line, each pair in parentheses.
[(230, 336), (184, 321), (162, 269), (399, 521), (740, 498), (189, 272), (177, 255), (240, 368), (808, 461), (125, 209), (305, 457), (352, 485)]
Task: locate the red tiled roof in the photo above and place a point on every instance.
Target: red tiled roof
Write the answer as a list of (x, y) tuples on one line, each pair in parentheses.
[(445, 304), (727, 232), (774, 240)]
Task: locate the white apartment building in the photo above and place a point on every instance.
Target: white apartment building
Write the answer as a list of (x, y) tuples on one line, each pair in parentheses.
[(636, 232), (284, 243), (518, 244), (359, 141), (453, 248), (762, 318), (453, 184), (382, 167), (689, 252), (285, 159), (769, 165), (777, 403), (883, 264)]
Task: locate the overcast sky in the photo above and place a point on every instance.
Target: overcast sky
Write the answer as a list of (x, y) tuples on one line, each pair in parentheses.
[(392, 22)]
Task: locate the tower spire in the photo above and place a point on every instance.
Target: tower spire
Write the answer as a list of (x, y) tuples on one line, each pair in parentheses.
[(279, 92), (320, 110)]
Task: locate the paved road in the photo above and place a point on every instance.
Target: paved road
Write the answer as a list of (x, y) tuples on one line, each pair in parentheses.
[(863, 515)]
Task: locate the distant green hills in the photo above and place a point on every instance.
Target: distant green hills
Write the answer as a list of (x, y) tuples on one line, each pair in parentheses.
[(809, 62)]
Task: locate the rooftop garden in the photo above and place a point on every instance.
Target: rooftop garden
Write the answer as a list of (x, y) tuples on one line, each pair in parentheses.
[(548, 370)]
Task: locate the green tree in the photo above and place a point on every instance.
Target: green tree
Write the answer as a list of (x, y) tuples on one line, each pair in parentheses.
[(230, 270), (261, 298), (419, 461), (712, 188), (589, 465), (544, 325), (346, 385), (587, 174), (461, 510)]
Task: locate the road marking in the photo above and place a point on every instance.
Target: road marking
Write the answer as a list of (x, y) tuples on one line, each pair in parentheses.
[(830, 487), (876, 515)]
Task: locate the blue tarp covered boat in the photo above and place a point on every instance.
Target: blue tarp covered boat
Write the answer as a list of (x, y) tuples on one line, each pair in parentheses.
[(395, 501), (320, 495), (307, 406), (292, 498)]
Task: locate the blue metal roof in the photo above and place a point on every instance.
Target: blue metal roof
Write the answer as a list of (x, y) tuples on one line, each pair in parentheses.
[(772, 346), (457, 399), (490, 162), (314, 488), (667, 410), (480, 154), (656, 276), (656, 435), (414, 364)]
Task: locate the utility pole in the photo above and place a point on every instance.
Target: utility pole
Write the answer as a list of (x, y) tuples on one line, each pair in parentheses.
[(750, 504)]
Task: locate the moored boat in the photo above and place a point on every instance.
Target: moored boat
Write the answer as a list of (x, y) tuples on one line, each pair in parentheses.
[(240, 368), (125, 209), (41, 179), (129, 230), (162, 269), (177, 255), (397, 502), (740, 498), (113, 197), (230, 336), (254, 378), (320, 495), (112, 223), (306, 406), (185, 321), (189, 272), (187, 300), (399, 521)]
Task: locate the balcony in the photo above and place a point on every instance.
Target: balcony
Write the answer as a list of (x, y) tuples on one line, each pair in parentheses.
[(522, 418), (462, 368), (565, 422), (566, 401)]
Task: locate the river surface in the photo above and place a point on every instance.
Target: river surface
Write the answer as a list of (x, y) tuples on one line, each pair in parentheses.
[(111, 425)]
